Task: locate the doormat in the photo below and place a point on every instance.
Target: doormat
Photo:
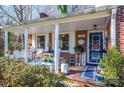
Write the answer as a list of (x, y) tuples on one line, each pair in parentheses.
[(89, 73)]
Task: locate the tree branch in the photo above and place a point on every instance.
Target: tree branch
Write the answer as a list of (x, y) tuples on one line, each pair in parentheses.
[(8, 14)]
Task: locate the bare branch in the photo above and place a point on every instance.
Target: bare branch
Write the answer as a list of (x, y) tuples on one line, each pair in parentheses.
[(8, 14)]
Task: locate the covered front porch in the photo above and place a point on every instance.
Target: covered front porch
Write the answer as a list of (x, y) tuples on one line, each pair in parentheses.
[(57, 38)]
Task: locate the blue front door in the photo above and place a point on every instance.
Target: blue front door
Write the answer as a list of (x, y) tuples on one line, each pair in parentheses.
[(95, 47)]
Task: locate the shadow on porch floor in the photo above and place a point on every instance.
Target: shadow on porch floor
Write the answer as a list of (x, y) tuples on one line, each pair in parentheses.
[(75, 75)]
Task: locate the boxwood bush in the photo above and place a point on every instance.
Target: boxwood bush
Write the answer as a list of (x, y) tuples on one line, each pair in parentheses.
[(17, 74), (113, 62)]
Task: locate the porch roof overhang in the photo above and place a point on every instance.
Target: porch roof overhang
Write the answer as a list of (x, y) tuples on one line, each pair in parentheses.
[(88, 14)]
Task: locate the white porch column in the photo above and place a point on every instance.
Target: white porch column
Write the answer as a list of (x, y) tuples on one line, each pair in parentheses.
[(6, 43), (26, 45), (113, 28), (56, 51)]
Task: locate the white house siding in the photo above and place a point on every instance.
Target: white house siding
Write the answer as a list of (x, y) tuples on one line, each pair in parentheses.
[(71, 41)]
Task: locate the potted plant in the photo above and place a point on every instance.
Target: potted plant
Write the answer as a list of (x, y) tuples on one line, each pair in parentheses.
[(50, 59), (45, 58), (63, 9), (19, 47), (64, 66), (79, 50)]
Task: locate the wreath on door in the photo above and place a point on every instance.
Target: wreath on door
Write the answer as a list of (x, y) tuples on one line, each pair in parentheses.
[(96, 45)]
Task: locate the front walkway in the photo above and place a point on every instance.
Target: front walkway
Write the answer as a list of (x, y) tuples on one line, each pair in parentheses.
[(75, 75)]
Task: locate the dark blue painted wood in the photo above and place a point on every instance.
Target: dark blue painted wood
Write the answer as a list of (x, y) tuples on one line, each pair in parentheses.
[(91, 51)]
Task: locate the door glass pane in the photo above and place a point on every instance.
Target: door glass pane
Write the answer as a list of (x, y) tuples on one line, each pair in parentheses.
[(96, 42)]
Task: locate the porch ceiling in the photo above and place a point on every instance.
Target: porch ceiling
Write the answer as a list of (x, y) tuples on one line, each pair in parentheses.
[(71, 23), (70, 26), (73, 26)]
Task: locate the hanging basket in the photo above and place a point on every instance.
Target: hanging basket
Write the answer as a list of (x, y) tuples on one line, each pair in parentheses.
[(79, 49)]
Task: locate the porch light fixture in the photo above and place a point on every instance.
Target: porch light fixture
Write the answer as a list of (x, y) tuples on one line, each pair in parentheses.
[(94, 26)]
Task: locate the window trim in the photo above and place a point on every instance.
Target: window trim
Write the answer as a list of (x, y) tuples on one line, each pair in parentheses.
[(68, 42), (42, 42)]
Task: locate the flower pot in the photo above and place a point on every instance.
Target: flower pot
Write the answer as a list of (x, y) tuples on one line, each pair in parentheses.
[(99, 78), (64, 68)]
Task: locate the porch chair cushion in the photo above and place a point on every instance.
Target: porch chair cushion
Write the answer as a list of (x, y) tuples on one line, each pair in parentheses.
[(39, 53)]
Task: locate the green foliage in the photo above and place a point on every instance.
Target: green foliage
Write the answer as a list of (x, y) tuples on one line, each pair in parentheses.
[(1, 52), (11, 47), (17, 74), (62, 8), (10, 42), (1, 47), (19, 46), (102, 63), (47, 58), (112, 64), (121, 75), (79, 49)]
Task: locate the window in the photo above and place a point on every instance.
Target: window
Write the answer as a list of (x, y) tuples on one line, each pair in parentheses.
[(41, 42), (64, 41)]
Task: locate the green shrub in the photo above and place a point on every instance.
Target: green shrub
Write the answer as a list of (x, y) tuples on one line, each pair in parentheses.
[(19, 46), (31, 77), (9, 68), (62, 8), (16, 73), (112, 64), (1, 52), (1, 47)]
